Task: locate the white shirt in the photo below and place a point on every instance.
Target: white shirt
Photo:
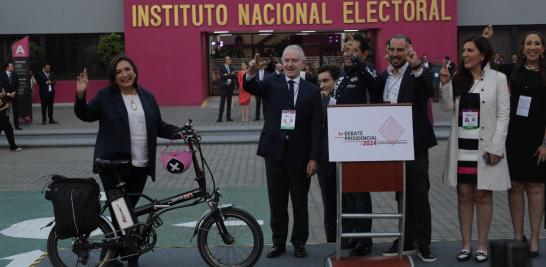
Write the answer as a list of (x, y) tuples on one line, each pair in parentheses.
[(137, 130), (392, 86), (49, 85), (261, 73)]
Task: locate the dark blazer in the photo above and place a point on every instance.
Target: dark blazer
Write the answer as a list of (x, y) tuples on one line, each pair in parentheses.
[(14, 85), (304, 143), (225, 75), (416, 91), (41, 79), (113, 138), (325, 166)]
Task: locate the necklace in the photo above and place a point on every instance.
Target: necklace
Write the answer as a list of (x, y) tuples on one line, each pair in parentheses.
[(132, 102)]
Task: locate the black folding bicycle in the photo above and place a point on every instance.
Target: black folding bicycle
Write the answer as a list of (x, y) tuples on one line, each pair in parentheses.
[(226, 235)]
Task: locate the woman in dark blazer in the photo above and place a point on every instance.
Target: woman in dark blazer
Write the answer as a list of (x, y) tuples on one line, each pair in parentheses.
[(129, 124)]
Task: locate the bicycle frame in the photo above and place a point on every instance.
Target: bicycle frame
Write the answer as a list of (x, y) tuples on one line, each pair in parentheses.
[(157, 207)]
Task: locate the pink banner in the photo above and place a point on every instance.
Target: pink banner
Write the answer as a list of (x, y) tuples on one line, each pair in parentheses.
[(21, 48)]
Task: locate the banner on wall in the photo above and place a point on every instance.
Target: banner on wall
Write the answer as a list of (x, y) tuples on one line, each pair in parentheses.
[(20, 51)]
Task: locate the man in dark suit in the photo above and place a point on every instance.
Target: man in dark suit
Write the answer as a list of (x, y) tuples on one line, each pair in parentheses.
[(327, 77), (10, 82), (46, 82), (290, 143), (227, 81), (405, 81)]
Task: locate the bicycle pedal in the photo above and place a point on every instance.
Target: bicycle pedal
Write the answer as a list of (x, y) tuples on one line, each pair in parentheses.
[(157, 222)]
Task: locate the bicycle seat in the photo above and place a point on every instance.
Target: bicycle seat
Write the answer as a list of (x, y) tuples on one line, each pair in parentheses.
[(108, 164)]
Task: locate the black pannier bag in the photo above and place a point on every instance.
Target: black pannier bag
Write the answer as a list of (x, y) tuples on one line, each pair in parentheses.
[(76, 205)]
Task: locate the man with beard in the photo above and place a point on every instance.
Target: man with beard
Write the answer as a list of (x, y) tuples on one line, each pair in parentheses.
[(354, 88), (405, 81)]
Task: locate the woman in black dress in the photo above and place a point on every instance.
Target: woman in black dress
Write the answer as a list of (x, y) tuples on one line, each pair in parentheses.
[(526, 140)]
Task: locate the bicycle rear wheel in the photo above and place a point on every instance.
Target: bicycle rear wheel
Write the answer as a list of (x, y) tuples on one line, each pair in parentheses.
[(245, 247), (80, 251)]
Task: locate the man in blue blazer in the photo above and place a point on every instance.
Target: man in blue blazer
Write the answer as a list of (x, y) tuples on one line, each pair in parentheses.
[(46, 82), (405, 81), (290, 142)]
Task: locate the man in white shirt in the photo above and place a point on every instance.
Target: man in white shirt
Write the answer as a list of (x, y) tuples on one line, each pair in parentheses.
[(405, 81)]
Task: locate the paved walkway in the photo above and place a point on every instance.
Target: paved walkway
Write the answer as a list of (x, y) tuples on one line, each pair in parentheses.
[(239, 172)]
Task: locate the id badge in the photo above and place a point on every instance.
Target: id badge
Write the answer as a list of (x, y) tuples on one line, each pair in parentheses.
[(524, 104), (470, 119), (288, 120)]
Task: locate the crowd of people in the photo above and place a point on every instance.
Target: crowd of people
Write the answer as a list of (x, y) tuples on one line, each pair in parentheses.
[(497, 140)]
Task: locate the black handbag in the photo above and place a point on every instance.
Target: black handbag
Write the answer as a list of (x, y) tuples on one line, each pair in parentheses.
[(76, 205)]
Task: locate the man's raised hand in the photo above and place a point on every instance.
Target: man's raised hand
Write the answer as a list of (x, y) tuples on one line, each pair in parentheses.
[(488, 31), (255, 65)]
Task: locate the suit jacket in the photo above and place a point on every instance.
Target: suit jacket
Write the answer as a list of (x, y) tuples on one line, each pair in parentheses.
[(10, 86), (416, 91), (113, 139), (225, 76), (304, 142), (41, 79)]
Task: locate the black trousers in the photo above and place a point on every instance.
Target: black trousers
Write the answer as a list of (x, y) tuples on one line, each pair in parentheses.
[(46, 100), (226, 93), (282, 181), (357, 203), (135, 180), (15, 108), (5, 126), (328, 188), (418, 217), (258, 107)]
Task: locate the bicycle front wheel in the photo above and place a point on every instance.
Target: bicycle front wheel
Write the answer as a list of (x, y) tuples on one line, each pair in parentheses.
[(82, 251), (245, 244)]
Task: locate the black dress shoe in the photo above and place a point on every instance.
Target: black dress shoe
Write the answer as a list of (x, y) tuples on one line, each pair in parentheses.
[(534, 254), (300, 252), (275, 251), (44, 122), (219, 120), (18, 128), (53, 122), (229, 119), (361, 250), (257, 119)]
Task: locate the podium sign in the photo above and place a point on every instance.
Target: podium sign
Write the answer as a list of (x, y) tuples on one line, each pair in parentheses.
[(370, 133)]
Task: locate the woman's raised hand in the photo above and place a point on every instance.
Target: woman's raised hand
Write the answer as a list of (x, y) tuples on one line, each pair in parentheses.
[(82, 84), (445, 76)]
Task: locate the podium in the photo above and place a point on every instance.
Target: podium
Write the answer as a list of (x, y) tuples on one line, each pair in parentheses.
[(370, 144)]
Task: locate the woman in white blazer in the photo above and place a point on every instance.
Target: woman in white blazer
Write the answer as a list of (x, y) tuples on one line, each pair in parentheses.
[(478, 97)]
